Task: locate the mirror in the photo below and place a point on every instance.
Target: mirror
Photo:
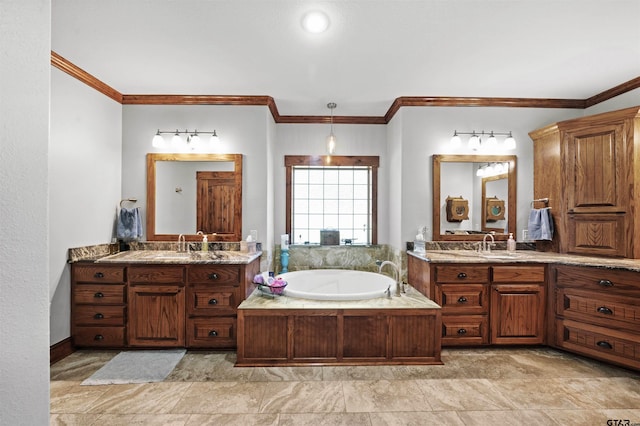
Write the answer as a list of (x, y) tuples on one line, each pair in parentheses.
[(187, 193), (491, 199)]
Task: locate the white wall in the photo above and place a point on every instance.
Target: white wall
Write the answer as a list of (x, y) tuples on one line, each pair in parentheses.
[(85, 153), (242, 130), (25, 29), (394, 175)]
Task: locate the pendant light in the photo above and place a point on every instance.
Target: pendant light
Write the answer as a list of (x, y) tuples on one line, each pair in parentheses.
[(331, 140)]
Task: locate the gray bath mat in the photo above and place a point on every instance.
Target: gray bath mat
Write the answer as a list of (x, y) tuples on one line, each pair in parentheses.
[(137, 367)]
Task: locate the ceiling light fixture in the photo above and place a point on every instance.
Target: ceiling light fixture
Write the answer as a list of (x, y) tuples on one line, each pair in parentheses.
[(475, 141), (179, 143), (315, 22), (331, 140)]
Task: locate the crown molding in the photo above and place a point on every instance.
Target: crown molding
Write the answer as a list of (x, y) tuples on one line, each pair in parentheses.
[(401, 102)]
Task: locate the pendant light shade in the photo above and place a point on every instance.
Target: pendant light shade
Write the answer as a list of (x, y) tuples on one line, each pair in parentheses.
[(331, 139)]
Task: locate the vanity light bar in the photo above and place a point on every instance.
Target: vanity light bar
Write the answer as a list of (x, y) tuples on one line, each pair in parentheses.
[(475, 141), (192, 140)]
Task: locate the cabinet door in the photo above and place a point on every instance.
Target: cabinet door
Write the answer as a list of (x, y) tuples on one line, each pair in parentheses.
[(517, 313), (156, 315)]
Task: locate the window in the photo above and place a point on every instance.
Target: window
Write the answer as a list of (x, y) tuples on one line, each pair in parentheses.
[(336, 192)]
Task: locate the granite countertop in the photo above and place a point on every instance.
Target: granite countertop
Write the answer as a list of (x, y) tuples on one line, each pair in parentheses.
[(526, 256), (412, 299), (174, 257)]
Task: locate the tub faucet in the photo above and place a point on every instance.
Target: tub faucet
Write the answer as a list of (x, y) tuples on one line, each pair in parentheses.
[(486, 247), (399, 287)]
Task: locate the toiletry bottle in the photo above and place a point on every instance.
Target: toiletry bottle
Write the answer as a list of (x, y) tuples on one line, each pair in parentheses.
[(511, 244), (205, 243)]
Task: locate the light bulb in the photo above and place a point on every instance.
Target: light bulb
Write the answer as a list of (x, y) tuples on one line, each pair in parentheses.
[(474, 142), (489, 170), (158, 141), (176, 141), (331, 144), (196, 141), (455, 140), (480, 172), (315, 22), (492, 141), (510, 142), (214, 138)]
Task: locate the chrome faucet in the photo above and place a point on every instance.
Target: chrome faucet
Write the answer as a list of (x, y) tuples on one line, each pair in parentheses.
[(486, 247), (399, 287), (182, 244)]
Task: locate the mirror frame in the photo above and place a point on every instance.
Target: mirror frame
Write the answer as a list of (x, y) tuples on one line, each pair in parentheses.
[(152, 158), (511, 203)]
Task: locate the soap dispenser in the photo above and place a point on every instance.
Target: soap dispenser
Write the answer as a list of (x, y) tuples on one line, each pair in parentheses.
[(511, 244), (205, 241)]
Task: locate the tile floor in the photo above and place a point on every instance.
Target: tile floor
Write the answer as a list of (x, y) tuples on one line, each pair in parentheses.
[(496, 386)]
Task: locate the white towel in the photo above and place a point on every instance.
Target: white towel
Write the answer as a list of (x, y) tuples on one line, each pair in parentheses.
[(541, 224), (129, 224)]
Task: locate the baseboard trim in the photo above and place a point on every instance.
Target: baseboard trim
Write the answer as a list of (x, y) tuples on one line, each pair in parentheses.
[(61, 350)]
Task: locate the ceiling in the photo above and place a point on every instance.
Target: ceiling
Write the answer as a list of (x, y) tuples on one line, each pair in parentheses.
[(373, 52)]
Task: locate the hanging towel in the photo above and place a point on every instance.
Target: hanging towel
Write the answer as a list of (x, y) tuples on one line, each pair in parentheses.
[(541, 224), (129, 224)]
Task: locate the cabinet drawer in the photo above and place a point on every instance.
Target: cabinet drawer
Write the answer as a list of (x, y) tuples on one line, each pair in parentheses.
[(98, 274), (518, 274), (457, 274), (597, 234), (605, 281), (604, 343), (592, 307), (157, 274), (98, 315), (99, 336), (206, 274), (99, 294), (463, 298), (212, 300), (465, 330), (211, 332)]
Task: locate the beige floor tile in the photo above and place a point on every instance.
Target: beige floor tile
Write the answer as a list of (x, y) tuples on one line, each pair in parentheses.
[(233, 420), (461, 394), (614, 392), (417, 418), (70, 397), (221, 397), (303, 397), (285, 374), (147, 398), (542, 394), (338, 373), (73, 420), (384, 395), (325, 419), (143, 419), (507, 417), (80, 365), (578, 417), (633, 416)]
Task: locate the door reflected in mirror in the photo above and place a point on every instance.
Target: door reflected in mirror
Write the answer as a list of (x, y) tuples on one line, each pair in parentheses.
[(491, 196)]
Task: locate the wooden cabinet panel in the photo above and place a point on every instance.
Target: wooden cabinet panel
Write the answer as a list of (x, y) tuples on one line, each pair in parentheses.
[(598, 309), (517, 313), (458, 274), (608, 281), (262, 337), (365, 336), (156, 315), (462, 330), (98, 294), (462, 298), (108, 337), (215, 275), (156, 274), (601, 234), (99, 315), (212, 332), (212, 300), (98, 273), (518, 274), (315, 337)]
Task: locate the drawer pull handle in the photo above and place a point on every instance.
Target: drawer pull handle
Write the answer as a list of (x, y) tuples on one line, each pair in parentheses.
[(98, 275), (605, 283), (98, 316), (462, 299), (213, 301), (605, 310), (213, 333), (604, 345), (462, 331), (98, 337), (462, 275), (213, 276), (99, 295)]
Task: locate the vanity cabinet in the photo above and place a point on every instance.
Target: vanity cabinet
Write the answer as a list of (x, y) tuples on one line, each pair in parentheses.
[(98, 305), (485, 304), (586, 167), (597, 313), (156, 306)]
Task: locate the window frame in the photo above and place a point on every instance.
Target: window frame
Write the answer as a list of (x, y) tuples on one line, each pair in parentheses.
[(372, 161)]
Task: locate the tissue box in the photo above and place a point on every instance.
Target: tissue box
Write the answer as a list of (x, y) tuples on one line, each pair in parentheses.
[(329, 237)]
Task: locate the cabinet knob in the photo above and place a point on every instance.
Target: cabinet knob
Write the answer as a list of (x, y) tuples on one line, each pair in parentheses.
[(605, 310), (98, 275), (213, 301), (462, 299), (605, 283), (462, 275), (604, 345), (213, 333), (99, 295), (462, 331), (98, 337), (98, 316), (213, 276)]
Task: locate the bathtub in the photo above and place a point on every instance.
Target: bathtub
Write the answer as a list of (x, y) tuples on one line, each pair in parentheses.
[(337, 284)]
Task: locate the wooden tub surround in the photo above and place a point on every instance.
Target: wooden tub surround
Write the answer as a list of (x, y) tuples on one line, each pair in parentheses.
[(298, 332)]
